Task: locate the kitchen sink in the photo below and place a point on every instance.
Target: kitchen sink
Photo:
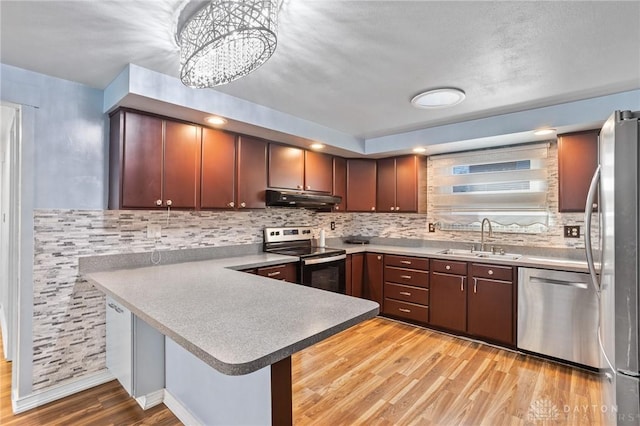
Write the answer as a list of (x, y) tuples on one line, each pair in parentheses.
[(481, 254)]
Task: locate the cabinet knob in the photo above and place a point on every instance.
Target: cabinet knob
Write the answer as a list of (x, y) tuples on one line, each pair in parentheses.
[(379, 257), (308, 187), (447, 267), (169, 203), (373, 209), (231, 204), (158, 202), (490, 272), (337, 207), (243, 204), (397, 208), (392, 208), (299, 186)]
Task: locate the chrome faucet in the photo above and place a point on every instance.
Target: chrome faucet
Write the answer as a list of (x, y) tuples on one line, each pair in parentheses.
[(482, 232)]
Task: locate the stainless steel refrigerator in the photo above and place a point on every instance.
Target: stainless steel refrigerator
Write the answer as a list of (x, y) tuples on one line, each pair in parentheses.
[(616, 183)]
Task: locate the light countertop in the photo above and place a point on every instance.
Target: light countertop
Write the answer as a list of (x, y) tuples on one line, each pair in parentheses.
[(234, 321)]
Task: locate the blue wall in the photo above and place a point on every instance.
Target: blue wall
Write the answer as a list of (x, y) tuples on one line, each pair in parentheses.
[(69, 138)]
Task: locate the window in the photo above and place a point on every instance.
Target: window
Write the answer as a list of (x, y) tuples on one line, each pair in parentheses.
[(507, 185)]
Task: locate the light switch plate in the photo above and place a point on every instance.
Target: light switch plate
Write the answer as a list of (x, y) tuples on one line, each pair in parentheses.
[(154, 231)]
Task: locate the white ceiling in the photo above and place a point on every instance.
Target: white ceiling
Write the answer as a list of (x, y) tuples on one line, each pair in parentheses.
[(354, 65)]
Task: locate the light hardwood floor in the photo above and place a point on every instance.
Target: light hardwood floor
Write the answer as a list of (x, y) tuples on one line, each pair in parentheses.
[(380, 372)]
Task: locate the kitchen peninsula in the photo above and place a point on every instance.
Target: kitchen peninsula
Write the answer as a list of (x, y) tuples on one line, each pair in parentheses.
[(230, 335)]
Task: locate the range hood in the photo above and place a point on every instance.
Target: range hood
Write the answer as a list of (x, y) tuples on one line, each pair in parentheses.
[(275, 198)]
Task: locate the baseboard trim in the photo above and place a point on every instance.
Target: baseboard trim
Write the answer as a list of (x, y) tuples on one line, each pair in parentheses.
[(151, 399), (53, 393), (180, 411)]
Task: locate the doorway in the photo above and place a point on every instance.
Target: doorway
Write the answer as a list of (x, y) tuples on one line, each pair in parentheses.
[(10, 133)]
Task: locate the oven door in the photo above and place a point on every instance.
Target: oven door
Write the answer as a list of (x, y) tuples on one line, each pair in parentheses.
[(326, 273)]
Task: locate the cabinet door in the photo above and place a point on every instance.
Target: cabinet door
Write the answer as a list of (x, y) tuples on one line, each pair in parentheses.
[(361, 185), (218, 169), (386, 185), (490, 311), (340, 181), (119, 340), (181, 165), (252, 173), (373, 277), (141, 161), (357, 275), (448, 301), (577, 161), (286, 167), (407, 184), (318, 172)]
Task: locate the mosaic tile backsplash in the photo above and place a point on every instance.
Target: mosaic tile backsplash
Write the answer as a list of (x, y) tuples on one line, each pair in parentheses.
[(69, 317)]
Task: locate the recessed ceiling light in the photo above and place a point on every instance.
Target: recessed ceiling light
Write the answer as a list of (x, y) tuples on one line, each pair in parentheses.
[(317, 146), (419, 149), (215, 120), (438, 98), (543, 132)]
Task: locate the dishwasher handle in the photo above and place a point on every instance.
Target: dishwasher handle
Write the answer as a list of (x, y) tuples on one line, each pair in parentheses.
[(552, 281)]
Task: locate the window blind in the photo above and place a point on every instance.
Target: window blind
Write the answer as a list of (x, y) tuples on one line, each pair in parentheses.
[(507, 185)]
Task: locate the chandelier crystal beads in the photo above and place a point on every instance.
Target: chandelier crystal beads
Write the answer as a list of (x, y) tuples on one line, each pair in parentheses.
[(226, 40)]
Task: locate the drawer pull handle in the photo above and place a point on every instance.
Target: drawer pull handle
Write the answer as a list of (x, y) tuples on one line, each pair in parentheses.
[(447, 267), (115, 307), (406, 277), (405, 293), (408, 311), (405, 262), (273, 274), (490, 272)]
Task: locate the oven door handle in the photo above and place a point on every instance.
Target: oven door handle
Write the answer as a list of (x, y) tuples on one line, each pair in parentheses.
[(319, 260)]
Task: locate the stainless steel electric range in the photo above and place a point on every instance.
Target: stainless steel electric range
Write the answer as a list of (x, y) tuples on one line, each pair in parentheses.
[(320, 267)]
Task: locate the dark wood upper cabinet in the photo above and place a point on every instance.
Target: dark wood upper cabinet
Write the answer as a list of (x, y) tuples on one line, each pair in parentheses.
[(139, 140), (218, 170), (286, 167), (401, 184), (155, 162), (252, 172), (318, 172), (295, 168), (361, 185), (340, 182), (181, 165), (577, 161)]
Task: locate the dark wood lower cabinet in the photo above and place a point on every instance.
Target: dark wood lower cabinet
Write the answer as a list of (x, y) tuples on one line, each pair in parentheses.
[(355, 275), (490, 313), (287, 272), (448, 301), (373, 277)]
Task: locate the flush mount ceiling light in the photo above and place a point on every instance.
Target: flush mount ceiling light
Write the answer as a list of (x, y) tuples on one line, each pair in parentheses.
[(419, 149), (438, 98), (225, 39), (544, 132), (317, 146), (215, 120)]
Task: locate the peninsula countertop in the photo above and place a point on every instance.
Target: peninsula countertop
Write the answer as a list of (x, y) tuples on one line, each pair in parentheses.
[(234, 321)]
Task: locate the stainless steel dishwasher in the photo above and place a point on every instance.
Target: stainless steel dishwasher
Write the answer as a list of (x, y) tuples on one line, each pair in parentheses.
[(558, 315)]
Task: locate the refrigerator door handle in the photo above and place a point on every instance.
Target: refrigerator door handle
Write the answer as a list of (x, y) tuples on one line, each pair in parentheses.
[(604, 353), (588, 212)]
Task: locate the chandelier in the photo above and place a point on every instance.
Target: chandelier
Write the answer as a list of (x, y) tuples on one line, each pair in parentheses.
[(225, 40)]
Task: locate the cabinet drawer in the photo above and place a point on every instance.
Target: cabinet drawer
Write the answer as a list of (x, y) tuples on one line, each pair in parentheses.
[(286, 272), (407, 293), (406, 276), (407, 262), (449, 267), (494, 272), (406, 310)]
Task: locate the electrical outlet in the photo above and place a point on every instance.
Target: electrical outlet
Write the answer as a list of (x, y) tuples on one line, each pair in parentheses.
[(572, 231), (333, 226), (432, 227), (154, 231)]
